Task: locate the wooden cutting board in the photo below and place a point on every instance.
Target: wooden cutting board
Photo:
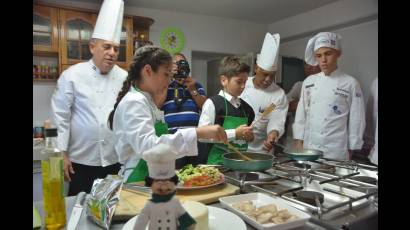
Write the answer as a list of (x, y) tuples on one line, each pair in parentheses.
[(131, 203)]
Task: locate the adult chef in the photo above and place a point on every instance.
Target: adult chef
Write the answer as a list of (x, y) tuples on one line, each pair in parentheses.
[(330, 115), (260, 91), (85, 95)]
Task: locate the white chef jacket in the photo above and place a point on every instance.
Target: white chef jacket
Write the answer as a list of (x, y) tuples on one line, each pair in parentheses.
[(371, 131), (259, 99), (134, 131), (330, 115), (294, 93), (208, 112), (162, 215), (81, 103)]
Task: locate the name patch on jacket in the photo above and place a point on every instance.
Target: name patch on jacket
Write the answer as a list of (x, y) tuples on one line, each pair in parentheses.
[(342, 92), (308, 86)]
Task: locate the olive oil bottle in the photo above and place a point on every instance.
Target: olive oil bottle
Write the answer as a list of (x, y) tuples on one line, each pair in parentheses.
[(53, 182)]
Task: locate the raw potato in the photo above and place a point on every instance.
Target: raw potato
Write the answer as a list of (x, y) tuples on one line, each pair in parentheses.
[(278, 220), (254, 213), (245, 206), (284, 214), (269, 208), (264, 214), (264, 218)]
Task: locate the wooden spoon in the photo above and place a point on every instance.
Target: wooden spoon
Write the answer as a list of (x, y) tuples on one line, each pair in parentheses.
[(238, 152), (268, 110)]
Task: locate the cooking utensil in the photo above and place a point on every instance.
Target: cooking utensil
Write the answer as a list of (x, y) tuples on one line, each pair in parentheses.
[(259, 162), (238, 152), (137, 189), (304, 154), (267, 110), (76, 213)]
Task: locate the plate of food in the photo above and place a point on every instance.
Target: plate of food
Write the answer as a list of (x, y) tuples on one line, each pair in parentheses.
[(198, 177)]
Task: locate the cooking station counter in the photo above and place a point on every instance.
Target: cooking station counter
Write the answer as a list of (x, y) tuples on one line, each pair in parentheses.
[(338, 194)]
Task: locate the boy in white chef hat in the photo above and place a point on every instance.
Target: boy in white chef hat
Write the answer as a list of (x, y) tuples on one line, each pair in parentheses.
[(163, 210), (330, 113), (322, 39)]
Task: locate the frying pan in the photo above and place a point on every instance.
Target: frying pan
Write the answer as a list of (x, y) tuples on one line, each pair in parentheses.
[(259, 162), (301, 155), (304, 154)]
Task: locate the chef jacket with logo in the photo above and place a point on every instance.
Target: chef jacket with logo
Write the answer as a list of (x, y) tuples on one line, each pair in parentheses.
[(81, 104), (134, 131), (330, 115), (259, 99)]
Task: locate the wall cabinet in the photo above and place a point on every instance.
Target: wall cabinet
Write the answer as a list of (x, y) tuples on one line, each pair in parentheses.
[(65, 34), (45, 29)]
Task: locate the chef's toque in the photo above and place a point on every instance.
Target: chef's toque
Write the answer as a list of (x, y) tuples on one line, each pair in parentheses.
[(268, 58), (109, 21), (160, 161), (322, 39)]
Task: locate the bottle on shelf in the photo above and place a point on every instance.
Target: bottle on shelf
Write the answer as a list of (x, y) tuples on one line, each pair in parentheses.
[(35, 72)]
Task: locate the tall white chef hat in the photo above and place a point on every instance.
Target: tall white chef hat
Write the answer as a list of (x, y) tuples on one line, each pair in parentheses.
[(322, 39), (161, 161), (109, 21), (268, 58)]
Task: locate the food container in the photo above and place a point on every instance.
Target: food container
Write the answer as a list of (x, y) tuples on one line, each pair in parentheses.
[(260, 199)]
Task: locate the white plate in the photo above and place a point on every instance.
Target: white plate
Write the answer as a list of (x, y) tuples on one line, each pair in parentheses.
[(260, 199), (219, 219)]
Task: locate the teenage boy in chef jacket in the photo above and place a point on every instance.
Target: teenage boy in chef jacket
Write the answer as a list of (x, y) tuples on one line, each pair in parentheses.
[(330, 115)]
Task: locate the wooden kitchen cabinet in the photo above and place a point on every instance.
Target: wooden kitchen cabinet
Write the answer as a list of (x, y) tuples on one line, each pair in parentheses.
[(65, 32), (75, 33), (126, 43), (45, 29)]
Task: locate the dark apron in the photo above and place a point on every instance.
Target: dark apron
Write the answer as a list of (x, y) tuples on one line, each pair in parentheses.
[(141, 170), (230, 122)]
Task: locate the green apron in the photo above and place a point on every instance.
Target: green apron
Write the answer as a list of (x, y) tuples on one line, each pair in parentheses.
[(141, 170), (230, 122)]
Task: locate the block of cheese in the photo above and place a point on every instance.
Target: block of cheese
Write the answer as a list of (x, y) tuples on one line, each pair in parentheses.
[(199, 212)]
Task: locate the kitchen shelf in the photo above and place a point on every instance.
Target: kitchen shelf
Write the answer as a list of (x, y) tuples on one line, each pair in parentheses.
[(39, 79)]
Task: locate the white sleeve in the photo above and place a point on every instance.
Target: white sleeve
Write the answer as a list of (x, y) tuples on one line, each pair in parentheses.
[(208, 113), (61, 103), (294, 93), (357, 118), (140, 132), (277, 117), (208, 118), (143, 217), (298, 126)]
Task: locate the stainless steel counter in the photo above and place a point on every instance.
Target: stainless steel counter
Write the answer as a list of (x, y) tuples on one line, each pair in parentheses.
[(86, 224)]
